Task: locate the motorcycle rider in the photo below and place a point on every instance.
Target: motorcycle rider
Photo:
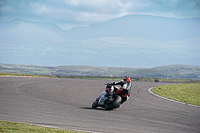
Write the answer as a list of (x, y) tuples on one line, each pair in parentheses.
[(124, 89)]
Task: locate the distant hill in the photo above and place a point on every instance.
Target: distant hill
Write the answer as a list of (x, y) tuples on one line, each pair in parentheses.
[(129, 41), (143, 26), (173, 71)]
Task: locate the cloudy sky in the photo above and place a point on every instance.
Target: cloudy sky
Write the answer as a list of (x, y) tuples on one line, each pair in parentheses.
[(70, 13)]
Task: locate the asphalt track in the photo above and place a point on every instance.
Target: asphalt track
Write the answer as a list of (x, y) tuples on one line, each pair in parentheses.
[(66, 103)]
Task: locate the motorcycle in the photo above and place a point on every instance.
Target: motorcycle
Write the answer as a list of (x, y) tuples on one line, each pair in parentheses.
[(109, 99)]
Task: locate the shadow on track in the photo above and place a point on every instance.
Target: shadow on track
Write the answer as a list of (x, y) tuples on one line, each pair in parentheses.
[(92, 108), (96, 108)]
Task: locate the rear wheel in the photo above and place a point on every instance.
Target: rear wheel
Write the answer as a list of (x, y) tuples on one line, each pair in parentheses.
[(115, 104)]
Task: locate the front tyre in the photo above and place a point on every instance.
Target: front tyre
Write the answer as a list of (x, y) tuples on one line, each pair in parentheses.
[(95, 103), (115, 104)]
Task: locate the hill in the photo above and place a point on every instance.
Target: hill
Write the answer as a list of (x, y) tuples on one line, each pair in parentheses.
[(143, 26), (173, 71), (129, 41)]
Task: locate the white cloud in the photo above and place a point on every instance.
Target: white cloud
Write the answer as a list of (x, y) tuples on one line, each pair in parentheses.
[(90, 11), (95, 7), (72, 2), (40, 8)]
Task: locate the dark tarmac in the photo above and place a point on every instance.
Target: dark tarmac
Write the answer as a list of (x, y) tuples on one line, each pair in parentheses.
[(66, 103)]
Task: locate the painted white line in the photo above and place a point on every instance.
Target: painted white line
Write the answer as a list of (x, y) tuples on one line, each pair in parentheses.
[(48, 126), (69, 129), (169, 99)]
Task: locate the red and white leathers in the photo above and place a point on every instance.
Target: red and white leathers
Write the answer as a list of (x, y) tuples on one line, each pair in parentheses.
[(124, 90)]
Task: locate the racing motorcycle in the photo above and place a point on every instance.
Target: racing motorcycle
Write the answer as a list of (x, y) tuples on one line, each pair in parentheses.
[(109, 99)]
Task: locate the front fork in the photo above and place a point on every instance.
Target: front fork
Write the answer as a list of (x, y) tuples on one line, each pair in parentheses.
[(102, 99)]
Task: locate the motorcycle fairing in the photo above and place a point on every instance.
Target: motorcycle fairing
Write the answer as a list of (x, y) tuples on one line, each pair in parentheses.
[(122, 92)]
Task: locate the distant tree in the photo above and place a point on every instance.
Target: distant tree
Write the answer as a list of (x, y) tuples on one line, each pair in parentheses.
[(156, 80)]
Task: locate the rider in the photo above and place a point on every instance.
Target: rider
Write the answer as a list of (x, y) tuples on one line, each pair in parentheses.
[(125, 88)]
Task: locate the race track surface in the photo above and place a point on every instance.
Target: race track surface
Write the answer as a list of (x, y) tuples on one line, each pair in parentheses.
[(66, 103)]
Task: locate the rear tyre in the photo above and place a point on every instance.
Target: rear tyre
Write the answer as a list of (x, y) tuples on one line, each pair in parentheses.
[(115, 104)]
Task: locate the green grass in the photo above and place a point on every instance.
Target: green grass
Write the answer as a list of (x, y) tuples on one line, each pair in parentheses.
[(187, 93), (174, 71), (27, 75), (141, 79), (15, 127)]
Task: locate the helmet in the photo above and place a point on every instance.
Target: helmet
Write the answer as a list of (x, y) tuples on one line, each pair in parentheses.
[(127, 79)]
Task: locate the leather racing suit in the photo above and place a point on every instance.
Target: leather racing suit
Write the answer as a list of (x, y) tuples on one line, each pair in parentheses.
[(124, 89)]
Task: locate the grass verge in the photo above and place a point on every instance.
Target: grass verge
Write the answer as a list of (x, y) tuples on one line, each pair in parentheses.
[(24, 75), (140, 79), (15, 127), (186, 93)]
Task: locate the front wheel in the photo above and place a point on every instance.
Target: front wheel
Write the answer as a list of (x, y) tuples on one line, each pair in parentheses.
[(115, 104), (95, 103)]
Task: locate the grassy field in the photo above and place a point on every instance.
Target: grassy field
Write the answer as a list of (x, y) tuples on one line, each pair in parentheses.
[(24, 75), (186, 93), (140, 79), (15, 127), (173, 71)]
